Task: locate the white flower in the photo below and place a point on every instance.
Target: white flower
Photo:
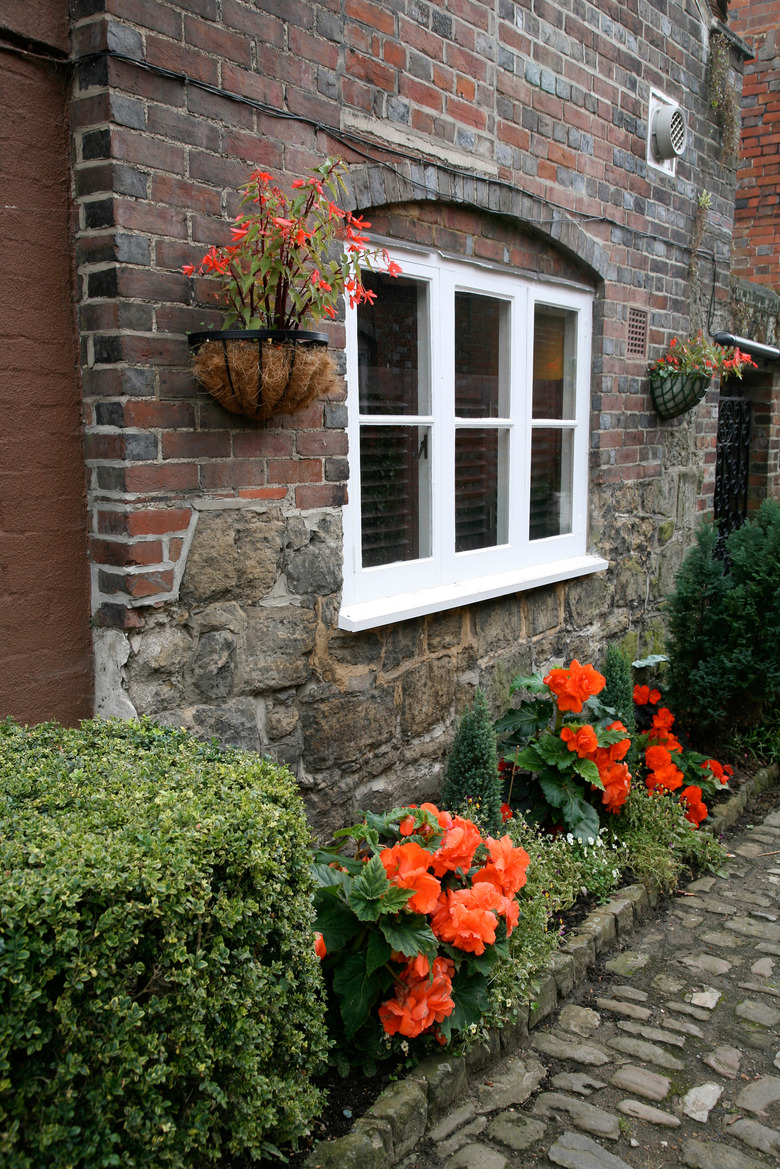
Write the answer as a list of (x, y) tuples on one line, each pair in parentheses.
[(591, 841)]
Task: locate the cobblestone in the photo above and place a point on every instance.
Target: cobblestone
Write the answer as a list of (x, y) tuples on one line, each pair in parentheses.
[(597, 1086)]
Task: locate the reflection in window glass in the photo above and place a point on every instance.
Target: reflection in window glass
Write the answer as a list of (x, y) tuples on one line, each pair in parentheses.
[(480, 488), (481, 324), (392, 347), (395, 492), (551, 482), (555, 362)]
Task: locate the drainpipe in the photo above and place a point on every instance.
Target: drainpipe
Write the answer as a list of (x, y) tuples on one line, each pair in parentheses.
[(754, 348)]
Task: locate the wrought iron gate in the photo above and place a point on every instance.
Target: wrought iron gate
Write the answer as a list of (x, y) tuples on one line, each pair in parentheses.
[(732, 468)]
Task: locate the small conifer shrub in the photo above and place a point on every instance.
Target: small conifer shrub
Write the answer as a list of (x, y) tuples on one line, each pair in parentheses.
[(619, 692), (473, 781)]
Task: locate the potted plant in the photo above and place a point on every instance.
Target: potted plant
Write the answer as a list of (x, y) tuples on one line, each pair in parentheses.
[(290, 259), (681, 378)]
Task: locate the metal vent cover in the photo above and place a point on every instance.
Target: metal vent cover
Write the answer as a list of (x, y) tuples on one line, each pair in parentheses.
[(636, 341), (670, 132)]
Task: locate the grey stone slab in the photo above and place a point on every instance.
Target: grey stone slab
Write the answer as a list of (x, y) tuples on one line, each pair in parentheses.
[(759, 1095), (757, 988), (748, 898), (627, 963), (703, 885), (749, 850), (629, 992), (722, 938), (682, 1026), (641, 1082), (403, 1107), (464, 1137), (576, 1082), (628, 1010), (764, 967), (769, 948), (757, 1136), (687, 1009), (668, 984), (654, 1034), (648, 1052), (708, 998), (521, 1078), (760, 1013), (576, 1151), (583, 950), (516, 1131), (452, 1121), (716, 1155), (699, 1102), (582, 1115), (564, 1049), (724, 1060), (707, 963), (641, 1111), (753, 927), (580, 1020), (689, 921), (477, 1157), (719, 907)]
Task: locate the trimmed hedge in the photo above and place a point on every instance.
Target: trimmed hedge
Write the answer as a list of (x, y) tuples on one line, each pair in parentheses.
[(161, 1002)]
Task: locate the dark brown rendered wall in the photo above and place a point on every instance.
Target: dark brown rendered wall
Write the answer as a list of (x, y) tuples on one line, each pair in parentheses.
[(45, 654)]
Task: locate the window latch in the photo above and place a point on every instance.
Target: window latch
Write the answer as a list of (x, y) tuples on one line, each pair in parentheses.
[(423, 451)]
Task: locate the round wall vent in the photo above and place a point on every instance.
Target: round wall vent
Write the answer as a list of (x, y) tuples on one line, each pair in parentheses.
[(670, 132)]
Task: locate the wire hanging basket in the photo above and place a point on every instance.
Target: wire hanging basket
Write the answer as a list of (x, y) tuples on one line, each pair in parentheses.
[(678, 393)]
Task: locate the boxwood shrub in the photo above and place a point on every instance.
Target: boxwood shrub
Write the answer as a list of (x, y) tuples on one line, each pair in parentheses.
[(160, 999)]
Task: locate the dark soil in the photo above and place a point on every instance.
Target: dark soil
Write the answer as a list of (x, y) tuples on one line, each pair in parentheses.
[(350, 1097)]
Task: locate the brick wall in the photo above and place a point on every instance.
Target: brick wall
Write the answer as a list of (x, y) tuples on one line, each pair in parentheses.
[(757, 213), (515, 131)]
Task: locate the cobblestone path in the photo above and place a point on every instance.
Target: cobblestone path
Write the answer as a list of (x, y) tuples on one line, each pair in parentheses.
[(668, 1055)]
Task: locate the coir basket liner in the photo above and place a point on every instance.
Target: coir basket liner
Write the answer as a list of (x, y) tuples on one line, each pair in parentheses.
[(263, 372)]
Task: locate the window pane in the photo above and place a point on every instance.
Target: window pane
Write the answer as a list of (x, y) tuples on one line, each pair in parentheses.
[(395, 493), (481, 324), (393, 346), (551, 482), (555, 362), (480, 488)]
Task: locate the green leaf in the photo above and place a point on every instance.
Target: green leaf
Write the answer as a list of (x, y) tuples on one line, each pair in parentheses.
[(533, 683), (335, 921), (530, 758), (588, 770), (357, 990), (526, 721), (554, 751), (378, 951), (581, 819), (369, 888), (327, 878), (409, 934), (652, 660), (471, 1002)]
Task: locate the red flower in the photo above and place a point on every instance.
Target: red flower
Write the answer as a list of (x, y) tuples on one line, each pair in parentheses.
[(406, 866), (467, 918), (583, 740), (617, 783), (695, 808), (420, 1000), (506, 868), (644, 695), (319, 945), (573, 686), (717, 770), (506, 813), (456, 851)]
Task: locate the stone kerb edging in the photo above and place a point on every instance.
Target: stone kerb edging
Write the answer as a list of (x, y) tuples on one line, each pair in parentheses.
[(405, 1111)]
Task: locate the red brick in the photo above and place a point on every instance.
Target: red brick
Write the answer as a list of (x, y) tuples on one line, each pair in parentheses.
[(121, 555), (151, 414), (321, 495), (367, 69), (158, 522), (371, 14), (253, 444), (216, 41), (326, 442), (161, 477), (232, 474), (263, 492), (294, 471), (189, 444)]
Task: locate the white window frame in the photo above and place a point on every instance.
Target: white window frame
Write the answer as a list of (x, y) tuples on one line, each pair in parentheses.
[(379, 595)]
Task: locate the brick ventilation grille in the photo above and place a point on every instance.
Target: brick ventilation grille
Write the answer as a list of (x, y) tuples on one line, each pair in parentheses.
[(637, 333)]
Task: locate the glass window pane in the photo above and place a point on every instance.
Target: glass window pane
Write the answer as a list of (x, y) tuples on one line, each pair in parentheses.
[(395, 492), (480, 488), (393, 373), (481, 325), (555, 362), (551, 482)]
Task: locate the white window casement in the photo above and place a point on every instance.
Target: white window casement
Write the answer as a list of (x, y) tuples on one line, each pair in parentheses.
[(469, 402)]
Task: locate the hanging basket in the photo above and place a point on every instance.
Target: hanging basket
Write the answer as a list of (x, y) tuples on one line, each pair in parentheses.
[(674, 395), (263, 372)]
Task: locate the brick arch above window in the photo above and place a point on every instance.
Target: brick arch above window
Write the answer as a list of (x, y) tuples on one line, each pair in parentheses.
[(375, 185)]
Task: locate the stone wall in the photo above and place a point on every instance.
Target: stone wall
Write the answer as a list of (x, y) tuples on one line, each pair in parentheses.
[(514, 131)]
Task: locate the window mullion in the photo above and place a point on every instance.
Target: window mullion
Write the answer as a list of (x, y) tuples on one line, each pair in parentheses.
[(444, 399)]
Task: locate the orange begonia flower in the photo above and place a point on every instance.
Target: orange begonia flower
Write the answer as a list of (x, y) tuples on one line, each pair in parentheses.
[(583, 740), (506, 868), (656, 757), (717, 770), (644, 695), (420, 1002), (617, 784), (406, 865), (319, 945), (695, 808), (574, 686), (457, 849), (467, 918)]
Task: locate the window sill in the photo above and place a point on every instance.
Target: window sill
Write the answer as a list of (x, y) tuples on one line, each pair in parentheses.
[(370, 614)]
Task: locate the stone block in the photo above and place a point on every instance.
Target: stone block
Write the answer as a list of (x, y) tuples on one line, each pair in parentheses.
[(582, 948), (235, 553), (278, 643), (484, 1054), (402, 1106), (342, 728), (315, 570), (564, 970), (214, 665), (623, 912), (444, 1081), (234, 723), (445, 630), (426, 695), (587, 598), (545, 1000), (498, 625), (637, 895), (542, 610), (601, 926), (514, 1035), (366, 1148)]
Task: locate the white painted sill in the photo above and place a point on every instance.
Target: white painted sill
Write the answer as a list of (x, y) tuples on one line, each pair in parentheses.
[(401, 607)]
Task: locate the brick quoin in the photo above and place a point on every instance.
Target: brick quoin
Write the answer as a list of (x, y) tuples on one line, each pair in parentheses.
[(551, 102)]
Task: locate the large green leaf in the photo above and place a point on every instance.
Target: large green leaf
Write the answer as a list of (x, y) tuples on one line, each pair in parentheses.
[(588, 770), (520, 725), (554, 751), (581, 819), (327, 878), (357, 990), (335, 921), (378, 951), (533, 683), (368, 889), (470, 995), (530, 758), (409, 934)]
